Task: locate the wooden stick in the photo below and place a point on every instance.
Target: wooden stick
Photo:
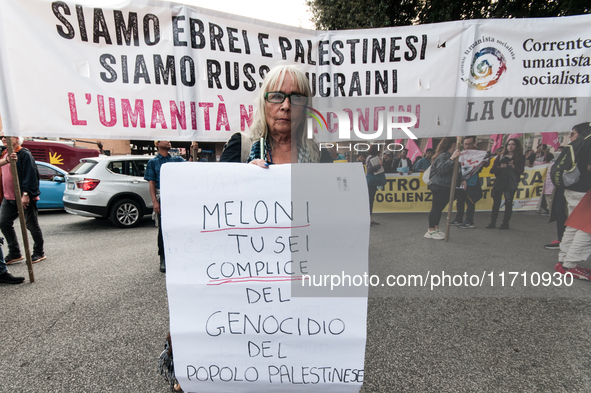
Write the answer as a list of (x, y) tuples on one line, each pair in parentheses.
[(21, 212), (194, 150), (452, 191)]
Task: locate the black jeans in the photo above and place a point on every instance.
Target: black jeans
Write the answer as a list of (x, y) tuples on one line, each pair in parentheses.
[(160, 238), (9, 213), (470, 207), (3, 268), (559, 211), (372, 195), (497, 197), (440, 198)]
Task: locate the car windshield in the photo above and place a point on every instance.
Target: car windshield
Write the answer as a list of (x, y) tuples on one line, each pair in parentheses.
[(83, 168), (46, 173)]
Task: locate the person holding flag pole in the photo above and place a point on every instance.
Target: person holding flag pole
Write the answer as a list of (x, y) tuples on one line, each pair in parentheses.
[(11, 158), (5, 276), (444, 172), (453, 189), (472, 161)]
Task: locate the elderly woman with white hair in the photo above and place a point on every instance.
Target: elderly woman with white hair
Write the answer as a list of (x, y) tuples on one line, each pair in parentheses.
[(280, 124), (278, 121)]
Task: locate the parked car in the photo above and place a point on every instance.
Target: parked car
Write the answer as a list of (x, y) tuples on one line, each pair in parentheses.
[(52, 183), (109, 187)]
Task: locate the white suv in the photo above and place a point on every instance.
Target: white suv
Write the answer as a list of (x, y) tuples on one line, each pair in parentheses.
[(109, 187)]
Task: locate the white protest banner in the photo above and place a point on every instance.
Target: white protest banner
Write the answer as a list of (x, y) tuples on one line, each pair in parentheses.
[(239, 241), (146, 69), (471, 161)]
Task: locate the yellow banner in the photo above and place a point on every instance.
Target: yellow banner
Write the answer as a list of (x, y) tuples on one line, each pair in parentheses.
[(408, 193)]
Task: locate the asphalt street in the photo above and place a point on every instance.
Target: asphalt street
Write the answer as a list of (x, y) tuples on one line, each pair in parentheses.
[(96, 318)]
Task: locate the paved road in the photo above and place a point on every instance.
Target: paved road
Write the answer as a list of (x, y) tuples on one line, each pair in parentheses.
[(96, 318), (519, 339)]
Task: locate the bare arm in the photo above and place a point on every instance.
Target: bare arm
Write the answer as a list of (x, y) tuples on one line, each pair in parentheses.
[(8, 158), (155, 202)]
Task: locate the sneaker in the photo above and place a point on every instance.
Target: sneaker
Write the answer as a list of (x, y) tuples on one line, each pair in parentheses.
[(162, 264), (504, 225), (435, 235), (8, 278), (555, 245), (13, 259), (37, 258), (492, 225), (579, 272), (456, 222), (467, 225), (560, 269)]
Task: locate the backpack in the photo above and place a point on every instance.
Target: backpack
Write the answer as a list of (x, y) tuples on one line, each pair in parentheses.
[(564, 172), (245, 145), (427, 175), (430, 172)]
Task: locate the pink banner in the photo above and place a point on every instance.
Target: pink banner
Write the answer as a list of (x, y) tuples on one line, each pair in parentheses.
[(429, 144), (513, 136), (413, 150), (551, 139), (498, 138)]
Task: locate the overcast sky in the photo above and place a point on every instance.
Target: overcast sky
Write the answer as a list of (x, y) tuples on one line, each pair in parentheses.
[(286, 12)]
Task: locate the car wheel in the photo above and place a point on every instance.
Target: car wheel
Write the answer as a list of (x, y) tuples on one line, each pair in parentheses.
[(125, 213)]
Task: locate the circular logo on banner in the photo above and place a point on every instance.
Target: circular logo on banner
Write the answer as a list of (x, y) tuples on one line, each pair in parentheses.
[(482, 68)]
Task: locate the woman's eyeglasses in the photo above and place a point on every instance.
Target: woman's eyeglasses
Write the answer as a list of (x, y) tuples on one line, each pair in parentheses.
[(277, 97)]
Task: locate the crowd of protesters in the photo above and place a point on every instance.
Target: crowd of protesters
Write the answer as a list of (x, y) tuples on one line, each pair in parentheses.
[(507, 164)]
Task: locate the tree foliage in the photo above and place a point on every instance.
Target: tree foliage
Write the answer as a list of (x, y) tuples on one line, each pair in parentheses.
[(539, 9), (359, 14), (433, 11)]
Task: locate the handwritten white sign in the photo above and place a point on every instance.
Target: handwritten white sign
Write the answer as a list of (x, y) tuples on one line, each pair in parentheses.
[(238, 239)]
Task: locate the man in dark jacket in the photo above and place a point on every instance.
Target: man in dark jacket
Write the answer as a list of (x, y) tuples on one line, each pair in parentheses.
[(388, 162), (403, 164), (28, 177)]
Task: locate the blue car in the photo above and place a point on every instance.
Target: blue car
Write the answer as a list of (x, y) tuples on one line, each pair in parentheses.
[(52, 185)]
